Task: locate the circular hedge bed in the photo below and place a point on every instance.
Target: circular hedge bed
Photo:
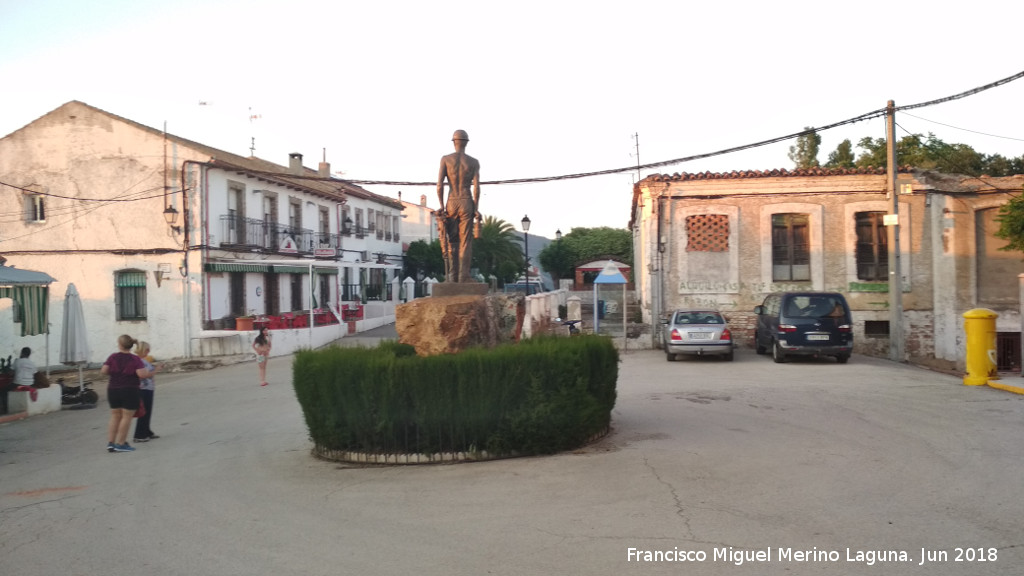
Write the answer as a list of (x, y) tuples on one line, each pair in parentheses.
[(388, 405)]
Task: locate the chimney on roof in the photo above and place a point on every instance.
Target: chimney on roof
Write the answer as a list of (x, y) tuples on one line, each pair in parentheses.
[(324, 170), (423, 199), (295, 163)]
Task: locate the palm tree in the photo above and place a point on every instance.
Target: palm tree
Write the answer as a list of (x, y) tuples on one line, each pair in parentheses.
[(497, 252)]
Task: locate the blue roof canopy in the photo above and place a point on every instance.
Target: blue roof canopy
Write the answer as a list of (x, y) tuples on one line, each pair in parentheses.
[(610, 275)]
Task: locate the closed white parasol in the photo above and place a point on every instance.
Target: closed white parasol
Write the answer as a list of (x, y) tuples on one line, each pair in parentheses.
[(74, 339)]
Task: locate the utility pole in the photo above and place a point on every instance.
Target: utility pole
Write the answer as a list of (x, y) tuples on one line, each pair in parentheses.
[(895, 267), (636, 138)]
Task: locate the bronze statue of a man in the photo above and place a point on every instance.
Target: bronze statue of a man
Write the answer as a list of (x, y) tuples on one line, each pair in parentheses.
[(456, 216)]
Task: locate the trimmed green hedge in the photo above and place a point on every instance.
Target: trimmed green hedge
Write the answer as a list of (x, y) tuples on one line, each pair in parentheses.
[(539, 396)]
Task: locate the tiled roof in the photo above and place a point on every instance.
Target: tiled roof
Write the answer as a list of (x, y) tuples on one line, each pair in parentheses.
[(309, 181), (776, 173)]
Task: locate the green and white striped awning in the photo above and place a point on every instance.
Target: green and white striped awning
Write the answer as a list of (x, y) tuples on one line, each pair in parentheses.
[(31, 293), (264, 268), (34, 303), (135, 279), (235, 267), (304, 270)]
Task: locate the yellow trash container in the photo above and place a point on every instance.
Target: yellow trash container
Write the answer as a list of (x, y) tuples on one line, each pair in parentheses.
[(980, 328)]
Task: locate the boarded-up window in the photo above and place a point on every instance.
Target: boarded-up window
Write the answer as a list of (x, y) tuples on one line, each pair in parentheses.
[(707, 233), (997, 269), (872, 246), (791, 250)]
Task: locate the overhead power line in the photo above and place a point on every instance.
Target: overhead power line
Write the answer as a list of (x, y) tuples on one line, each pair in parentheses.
[(964, 129), (866, 116), (880, 112)]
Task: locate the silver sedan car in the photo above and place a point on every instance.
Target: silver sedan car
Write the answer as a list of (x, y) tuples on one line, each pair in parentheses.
[(697, 333)]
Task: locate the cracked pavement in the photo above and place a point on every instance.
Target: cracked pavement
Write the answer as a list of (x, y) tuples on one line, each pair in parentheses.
[(703, 455)]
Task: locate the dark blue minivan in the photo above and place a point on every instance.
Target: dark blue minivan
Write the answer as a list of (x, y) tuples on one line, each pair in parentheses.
[(804, 324)]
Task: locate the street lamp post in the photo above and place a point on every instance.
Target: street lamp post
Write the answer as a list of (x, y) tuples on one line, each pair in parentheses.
[(526, 252), (558, 258)]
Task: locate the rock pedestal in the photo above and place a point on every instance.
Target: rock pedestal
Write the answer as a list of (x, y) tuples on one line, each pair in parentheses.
[(450, 324)]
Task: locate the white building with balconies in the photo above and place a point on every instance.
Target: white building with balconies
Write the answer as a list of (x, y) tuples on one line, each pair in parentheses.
[(181, 244)]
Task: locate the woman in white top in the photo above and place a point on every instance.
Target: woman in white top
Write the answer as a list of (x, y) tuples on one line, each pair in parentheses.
[(147, 388), (25, 369)]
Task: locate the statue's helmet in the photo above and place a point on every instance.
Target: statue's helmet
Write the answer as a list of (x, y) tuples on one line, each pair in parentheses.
[(460, 135)]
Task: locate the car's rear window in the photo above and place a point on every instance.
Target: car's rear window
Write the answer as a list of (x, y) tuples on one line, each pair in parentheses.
[(814, 306), (698, 318)]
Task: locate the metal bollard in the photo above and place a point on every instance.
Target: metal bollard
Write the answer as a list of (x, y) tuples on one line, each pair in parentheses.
[(980, 328)]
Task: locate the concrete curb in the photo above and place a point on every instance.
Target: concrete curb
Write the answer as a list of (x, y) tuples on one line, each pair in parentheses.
[(1006, 387), (13, 417)]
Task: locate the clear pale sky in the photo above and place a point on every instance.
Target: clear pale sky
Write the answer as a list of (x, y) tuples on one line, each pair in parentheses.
[(543, 88)]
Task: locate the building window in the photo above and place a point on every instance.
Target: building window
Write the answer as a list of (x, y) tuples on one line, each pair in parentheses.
[(876, 328), (236, 213), (707, 233), (35, 209), (346, 220), (325, 224), (791, 255), (130, 294), (236, 290), (294, 214), (872, 247), (270, 225), (1008, 354), (297, 292), (325, 291), (271, 295)]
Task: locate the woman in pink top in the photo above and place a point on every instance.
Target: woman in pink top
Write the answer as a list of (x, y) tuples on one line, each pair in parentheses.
[(125, 369)]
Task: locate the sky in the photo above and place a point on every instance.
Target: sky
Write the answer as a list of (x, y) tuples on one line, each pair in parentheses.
[(544, 89)]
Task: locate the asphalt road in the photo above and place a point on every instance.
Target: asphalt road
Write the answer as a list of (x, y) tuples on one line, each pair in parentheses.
[(706, 457)]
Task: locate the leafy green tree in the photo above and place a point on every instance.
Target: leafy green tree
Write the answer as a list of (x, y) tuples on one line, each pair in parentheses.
[(873, 153), (997, 165), (931, 153), (954, 158), (805, 152), (842, 156), (1011, 224), (498, 251), (558, 259), (423, 258), (910, 151), (584, 244)]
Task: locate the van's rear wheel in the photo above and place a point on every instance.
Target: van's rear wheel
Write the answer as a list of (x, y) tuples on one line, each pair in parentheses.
[(843, 358), (777, 354)]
